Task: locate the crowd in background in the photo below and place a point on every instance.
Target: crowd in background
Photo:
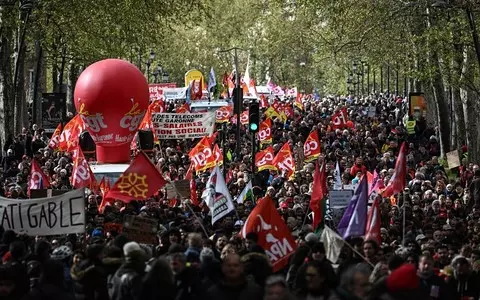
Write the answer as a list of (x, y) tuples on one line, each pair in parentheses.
[(437, 258)]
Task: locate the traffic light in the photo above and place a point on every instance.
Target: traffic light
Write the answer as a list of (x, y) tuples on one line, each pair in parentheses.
[(253, 116), (237, 100)]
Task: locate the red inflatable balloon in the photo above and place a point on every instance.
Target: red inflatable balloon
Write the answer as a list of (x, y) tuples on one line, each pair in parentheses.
[(111, 96)]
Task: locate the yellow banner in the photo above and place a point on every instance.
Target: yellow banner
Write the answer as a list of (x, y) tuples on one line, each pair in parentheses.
[(194, 75)]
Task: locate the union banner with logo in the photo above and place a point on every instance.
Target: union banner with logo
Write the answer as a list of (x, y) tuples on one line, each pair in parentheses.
[(183, 126), (311, 148), (202, 155), (273, 235), (264, 159)]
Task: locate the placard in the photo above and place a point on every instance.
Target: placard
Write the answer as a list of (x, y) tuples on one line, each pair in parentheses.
[(140, 230), (156, 90), (453, 159), (183, 126), (339, 199), (63, 214), (53, 110), (109, 227), (182, 187), (174, 93)]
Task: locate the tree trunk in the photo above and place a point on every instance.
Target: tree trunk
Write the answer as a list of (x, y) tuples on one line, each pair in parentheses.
[(7, 103), (72, 80), (441, 104), (470, 107), (460, 129)]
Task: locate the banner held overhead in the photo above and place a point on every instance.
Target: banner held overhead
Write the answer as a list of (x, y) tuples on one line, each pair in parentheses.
[(63, 214), (183, 126)]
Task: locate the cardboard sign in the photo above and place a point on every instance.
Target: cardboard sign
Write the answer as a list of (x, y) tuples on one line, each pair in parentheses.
[(453, 159), (109, 227), (140, 230), (183, 188), (183, 126), (339, 199), (63, 214)]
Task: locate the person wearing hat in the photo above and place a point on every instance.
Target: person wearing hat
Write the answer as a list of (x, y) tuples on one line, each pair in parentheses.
[(127, 281)]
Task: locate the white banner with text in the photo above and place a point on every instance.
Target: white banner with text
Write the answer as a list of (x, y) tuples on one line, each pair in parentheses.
[(183, 126), (63, 214)]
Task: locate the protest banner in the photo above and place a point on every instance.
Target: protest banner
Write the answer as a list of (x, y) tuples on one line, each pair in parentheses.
[(63, 214), (156, 90), (140, 230), (183, 126), (174, 93), (339, 199)]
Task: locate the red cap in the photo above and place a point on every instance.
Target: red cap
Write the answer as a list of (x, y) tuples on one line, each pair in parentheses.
[(403, 278)]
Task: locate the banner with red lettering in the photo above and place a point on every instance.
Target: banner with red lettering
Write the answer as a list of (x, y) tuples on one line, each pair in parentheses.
[(284, 161), (273, 234), (311, 148), (264, 160), (202, 155), (223, 114), (156, 89), (183, 126), (265, 132)]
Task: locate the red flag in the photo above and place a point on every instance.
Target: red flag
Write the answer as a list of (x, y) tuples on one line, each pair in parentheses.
[(140, 181), (311, 148), (38, 179), (183, 109), (369, 179), (202, 156), (273, 235), (263, 101), (218, 155), (244, 117), (193, 192), (55, 139), (265, 132), (372, 231), (213, 137), (298, 101), (71, 133), (104, 188), (82, 175), (196, 90), (264, 159), (339, 119), (284, 161), (223, 114), (190, 170), (319, 191), (397, 183)]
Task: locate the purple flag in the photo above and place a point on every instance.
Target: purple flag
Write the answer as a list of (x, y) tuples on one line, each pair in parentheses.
[(355, 217)]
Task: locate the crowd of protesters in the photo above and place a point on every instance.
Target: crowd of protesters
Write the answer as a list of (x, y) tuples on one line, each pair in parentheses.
[(436, 256)]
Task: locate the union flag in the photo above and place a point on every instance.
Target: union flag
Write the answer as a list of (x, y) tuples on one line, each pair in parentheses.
[(311, 148), (202, 155), (82, 175), (265, 132), (284, 161), (140, 181), (264, 159), (55, 140), (71, 133), (38, 180), (218, 155)]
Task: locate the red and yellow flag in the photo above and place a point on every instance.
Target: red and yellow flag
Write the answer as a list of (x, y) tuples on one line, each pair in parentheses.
[(311, 148), (202, 155), (71, 133), (284, 161), (218, 155), (264, 160), (55, 139), (140, 181), (265, 132), (223, 114)]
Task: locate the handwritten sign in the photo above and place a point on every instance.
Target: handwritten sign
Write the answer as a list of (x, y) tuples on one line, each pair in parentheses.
[(141, 230), (339, 199), (63, 214), (453, 159)]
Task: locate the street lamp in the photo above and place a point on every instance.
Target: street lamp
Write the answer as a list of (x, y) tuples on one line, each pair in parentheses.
[(165, 77), (149, 63)]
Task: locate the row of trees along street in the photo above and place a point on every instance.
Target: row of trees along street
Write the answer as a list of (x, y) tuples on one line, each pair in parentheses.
[(407, 46)]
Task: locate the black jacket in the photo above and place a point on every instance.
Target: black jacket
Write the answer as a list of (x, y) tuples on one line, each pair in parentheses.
[(90, 280), (435, 286), (127, 281), (189, 285), (47, 292), (246, 291)]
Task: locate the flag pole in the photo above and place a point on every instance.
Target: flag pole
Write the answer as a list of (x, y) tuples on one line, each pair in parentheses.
[(198, 219), (358, 253), (404, 222)]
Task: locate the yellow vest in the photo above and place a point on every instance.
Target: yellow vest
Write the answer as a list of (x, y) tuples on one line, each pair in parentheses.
[(411, 127)]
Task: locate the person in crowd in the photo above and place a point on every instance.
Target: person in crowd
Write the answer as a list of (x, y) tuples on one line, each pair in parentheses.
[(276, 288), (317, 283), (158, 282), (234, 283), (187, 280), (430, 282), (127, 281), (354, 284), (464, 283), (51, 285), (89, 276)]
